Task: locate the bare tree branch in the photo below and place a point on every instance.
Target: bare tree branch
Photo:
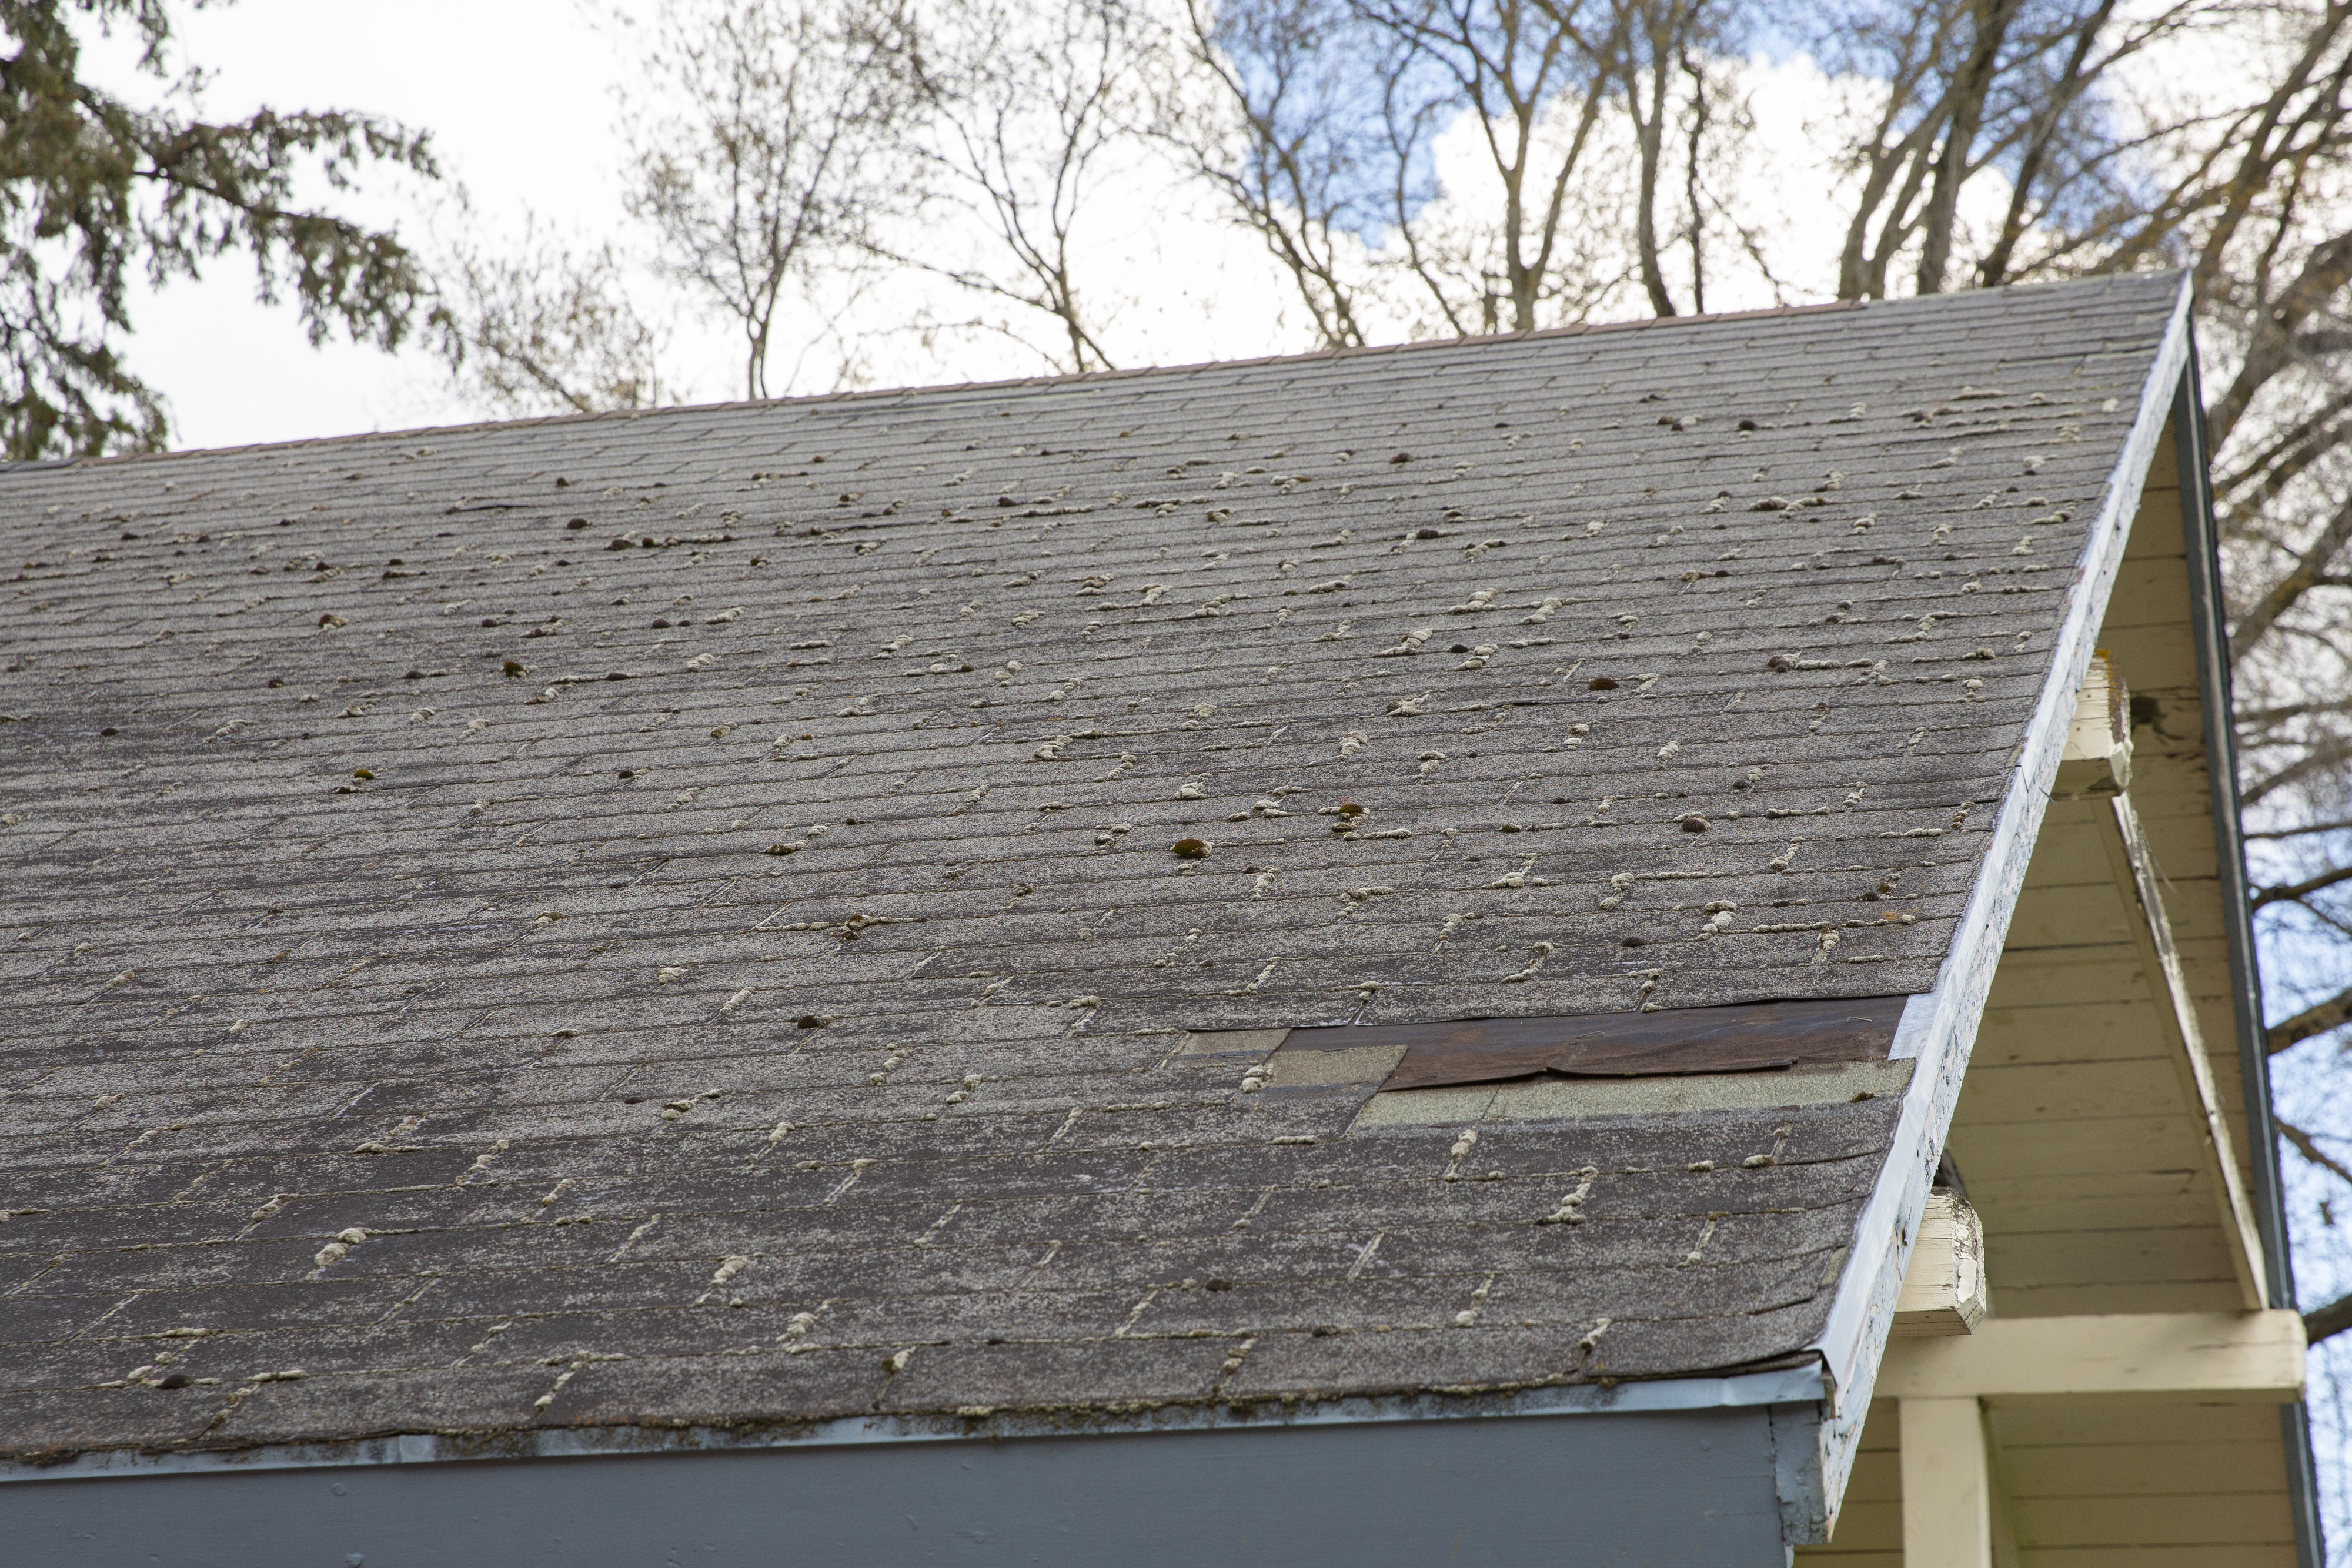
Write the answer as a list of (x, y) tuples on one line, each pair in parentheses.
[(2300, 889), (2311, 1151), (2302, 829), (1278, 142), (2325, 1323), (532, 327), (2316, 760), (2322, 274), (2307, 573), (2318, 1018), (781, 155), (1025, 98)]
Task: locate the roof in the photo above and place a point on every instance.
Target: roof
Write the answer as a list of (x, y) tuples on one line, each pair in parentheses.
[(669, 919)]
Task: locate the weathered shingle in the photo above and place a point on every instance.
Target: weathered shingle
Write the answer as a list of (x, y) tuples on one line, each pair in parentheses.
[(686, 896)]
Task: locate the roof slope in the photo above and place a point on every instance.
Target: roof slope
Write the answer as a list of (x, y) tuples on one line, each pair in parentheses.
[(641, 919)]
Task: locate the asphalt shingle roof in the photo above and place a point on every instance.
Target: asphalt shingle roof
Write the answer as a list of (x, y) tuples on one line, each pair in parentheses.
[(670, 917)]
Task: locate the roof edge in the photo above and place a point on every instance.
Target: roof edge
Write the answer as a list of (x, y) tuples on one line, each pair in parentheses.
[(1005, 384), (1800, 1385), (1022, 383), (1939, 1027)]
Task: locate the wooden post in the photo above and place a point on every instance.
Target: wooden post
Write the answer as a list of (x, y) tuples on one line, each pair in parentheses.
[(1948, 1507)]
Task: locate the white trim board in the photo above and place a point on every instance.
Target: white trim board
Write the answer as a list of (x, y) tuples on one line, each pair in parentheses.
[(2254, 1358), (1940, 1028), (2140, 884)]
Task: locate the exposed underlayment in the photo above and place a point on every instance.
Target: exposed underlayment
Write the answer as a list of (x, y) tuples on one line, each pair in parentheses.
[(1558, 1099), (1749, 1036), (677, 918)]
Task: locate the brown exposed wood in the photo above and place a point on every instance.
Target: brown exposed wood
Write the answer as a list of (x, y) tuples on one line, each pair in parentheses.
[(1752, 1037)]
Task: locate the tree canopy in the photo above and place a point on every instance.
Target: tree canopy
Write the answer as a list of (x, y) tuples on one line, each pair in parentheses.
[(97, 190)]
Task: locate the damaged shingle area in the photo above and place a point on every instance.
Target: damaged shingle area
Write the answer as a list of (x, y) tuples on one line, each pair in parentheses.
[(669, 919)]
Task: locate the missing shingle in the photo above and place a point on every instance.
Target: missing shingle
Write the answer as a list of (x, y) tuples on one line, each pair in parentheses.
[(1746, 1038), (1580, 1100)]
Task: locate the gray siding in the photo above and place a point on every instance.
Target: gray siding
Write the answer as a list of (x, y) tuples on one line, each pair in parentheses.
[(1595, 1492)]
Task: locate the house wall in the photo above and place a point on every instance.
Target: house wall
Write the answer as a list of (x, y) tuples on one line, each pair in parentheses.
[(1684, 1488)]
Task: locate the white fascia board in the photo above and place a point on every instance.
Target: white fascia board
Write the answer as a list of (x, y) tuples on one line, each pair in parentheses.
[(1940, 1028)]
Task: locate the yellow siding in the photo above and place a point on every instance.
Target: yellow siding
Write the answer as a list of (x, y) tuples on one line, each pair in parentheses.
[(1869, 1532)]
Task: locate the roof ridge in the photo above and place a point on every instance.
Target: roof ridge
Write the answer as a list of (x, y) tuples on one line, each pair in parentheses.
[(1022, 383)]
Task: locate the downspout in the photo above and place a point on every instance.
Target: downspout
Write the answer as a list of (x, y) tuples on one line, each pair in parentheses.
[(2210, 622)]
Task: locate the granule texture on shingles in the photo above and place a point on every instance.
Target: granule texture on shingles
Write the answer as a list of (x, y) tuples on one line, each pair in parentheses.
[(670, 918)]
